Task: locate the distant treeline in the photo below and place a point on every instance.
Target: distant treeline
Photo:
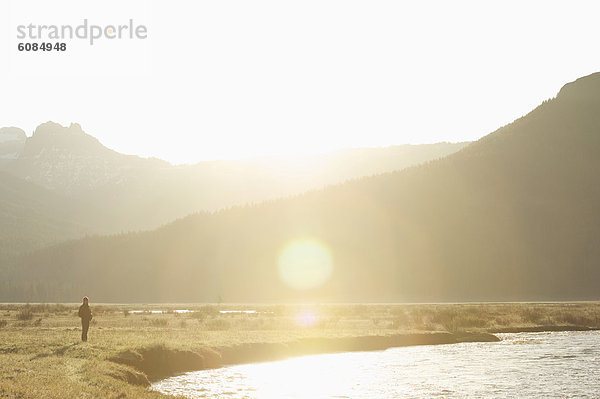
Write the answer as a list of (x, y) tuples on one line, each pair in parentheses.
[(40, 291), (513, 216)]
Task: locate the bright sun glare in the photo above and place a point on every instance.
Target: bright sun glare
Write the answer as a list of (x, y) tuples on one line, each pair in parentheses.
[(307, 318), (305, 264)]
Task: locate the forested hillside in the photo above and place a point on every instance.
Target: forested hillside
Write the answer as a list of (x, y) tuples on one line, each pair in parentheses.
[(514, 216), (71, 178)]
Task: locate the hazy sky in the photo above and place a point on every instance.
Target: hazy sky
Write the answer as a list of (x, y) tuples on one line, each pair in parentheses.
[(227, 79)]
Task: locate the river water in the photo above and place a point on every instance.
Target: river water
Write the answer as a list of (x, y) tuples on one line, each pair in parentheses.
[(523, 365)]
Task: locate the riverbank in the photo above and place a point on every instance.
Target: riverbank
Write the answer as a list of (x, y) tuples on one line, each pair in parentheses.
[(160, 362), (41, 354), (519, 366), (542, 329)]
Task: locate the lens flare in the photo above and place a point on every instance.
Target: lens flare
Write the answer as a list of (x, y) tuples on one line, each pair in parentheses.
[(307, 318), (305, 264)]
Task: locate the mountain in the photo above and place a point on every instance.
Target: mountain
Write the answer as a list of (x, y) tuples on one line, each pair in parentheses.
[(68, 160), (133, 193), (72, 163), (32, 217), (513, 216)]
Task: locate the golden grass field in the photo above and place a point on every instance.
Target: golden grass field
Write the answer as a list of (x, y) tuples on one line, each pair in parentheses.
[(41, 355)]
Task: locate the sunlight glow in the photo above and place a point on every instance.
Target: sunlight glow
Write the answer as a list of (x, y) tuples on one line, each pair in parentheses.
[(365, 74), (306, 318), (305, 264)]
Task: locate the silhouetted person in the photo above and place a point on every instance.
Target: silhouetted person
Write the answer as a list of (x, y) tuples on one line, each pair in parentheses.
[(86, 316)]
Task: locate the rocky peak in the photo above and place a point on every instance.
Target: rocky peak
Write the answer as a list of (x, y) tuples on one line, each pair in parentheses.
[(67, 159), (73, 139)]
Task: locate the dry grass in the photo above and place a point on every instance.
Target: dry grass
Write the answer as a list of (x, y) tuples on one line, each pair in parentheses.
[(41, 355)]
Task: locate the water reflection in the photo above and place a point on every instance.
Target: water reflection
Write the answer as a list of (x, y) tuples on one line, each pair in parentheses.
[(521, 365)]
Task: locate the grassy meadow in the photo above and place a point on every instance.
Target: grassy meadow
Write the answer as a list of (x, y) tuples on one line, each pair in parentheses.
[(41, 354)]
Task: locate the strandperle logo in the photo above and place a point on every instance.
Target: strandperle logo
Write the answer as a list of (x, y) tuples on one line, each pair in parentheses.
[(84, 31)]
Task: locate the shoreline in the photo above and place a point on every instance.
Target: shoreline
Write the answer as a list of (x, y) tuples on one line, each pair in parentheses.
[(506, 330), (159, 362), (252, 353)]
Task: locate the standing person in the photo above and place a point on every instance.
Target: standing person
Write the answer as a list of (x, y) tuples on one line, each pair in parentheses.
[(86, 315)]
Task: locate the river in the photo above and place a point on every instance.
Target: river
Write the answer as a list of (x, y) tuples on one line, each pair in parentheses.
[(532, 365)]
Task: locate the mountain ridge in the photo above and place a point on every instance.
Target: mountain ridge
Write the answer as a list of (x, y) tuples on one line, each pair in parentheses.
[(511, 217), (132, 193)]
